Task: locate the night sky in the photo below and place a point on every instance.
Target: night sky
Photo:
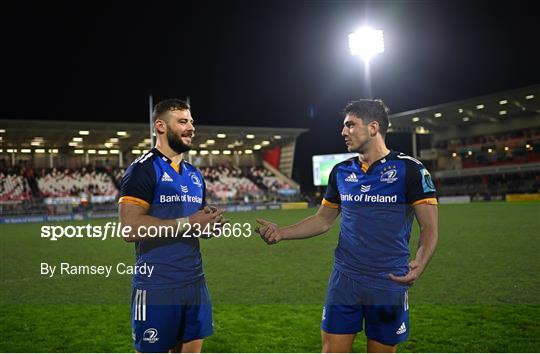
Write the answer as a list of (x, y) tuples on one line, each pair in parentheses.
[(258, 63)]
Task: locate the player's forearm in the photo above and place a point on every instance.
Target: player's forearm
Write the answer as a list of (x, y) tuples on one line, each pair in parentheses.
[(309, 227), (426, 245)]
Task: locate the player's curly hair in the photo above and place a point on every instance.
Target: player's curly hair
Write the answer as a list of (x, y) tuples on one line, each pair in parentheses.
[(171, 104), (369, 110)]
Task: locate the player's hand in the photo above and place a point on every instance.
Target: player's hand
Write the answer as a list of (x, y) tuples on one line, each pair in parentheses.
[(210, 208), (207, 216), (415, 270), (220, 220), (269, 231)]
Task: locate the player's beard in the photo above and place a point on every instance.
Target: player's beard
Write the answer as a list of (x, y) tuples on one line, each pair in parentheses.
[(176, 143)]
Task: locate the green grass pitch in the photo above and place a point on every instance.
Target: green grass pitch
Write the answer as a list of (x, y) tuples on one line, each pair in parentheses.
[(481, 292)]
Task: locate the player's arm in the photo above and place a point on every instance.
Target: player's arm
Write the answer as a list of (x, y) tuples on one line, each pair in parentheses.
[(136, 218), (427, 217), (422, 195), (311, 226)]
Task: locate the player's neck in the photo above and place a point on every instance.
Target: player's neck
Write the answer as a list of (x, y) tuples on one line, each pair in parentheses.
[(170, 153), (377, 152)]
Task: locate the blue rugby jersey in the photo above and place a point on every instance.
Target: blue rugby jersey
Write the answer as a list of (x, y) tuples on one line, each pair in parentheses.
[(376, 205), (167, 191)]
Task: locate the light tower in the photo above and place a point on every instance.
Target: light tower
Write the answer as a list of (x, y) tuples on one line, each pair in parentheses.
[(365, 43)]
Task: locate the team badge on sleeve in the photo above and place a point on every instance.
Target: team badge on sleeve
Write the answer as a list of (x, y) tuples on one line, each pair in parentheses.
[(427, 182)]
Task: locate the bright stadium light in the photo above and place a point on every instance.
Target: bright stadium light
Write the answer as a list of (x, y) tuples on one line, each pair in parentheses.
[(366, 42)]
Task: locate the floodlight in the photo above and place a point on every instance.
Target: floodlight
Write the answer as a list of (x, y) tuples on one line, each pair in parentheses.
[(366, 42)]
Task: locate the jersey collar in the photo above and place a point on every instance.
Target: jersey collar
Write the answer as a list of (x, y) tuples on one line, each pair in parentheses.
[(383, 159), (177, 168)]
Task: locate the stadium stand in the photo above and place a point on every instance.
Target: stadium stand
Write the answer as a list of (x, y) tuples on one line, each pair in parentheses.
[(13, 187), (484, 148), (63, 183), (98, 188)]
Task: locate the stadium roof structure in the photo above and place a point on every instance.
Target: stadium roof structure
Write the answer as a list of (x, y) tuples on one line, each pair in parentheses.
[(514, 109), (68, 136)]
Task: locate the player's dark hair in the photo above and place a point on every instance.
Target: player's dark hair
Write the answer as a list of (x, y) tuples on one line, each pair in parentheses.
[(369, 111), (171, 104)]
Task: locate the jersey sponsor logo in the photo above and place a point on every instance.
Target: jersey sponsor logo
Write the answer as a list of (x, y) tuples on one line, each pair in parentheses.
[(352, 178), (427, 182), (166, 177), (184, 189), (150, 335), (365, 189), (175, 198), (368, 198), (196, 180), (389, 176), (402, 329)]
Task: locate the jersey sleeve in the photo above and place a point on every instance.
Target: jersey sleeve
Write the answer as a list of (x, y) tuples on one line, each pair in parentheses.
[(138, 184), (331, 197), (420, 186)]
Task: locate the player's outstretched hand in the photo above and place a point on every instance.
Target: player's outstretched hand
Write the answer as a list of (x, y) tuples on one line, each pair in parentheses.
[(415, 270), (269, 231)]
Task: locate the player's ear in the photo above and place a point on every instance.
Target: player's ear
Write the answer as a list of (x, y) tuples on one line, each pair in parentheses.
[(373, 128), (160, 126)]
